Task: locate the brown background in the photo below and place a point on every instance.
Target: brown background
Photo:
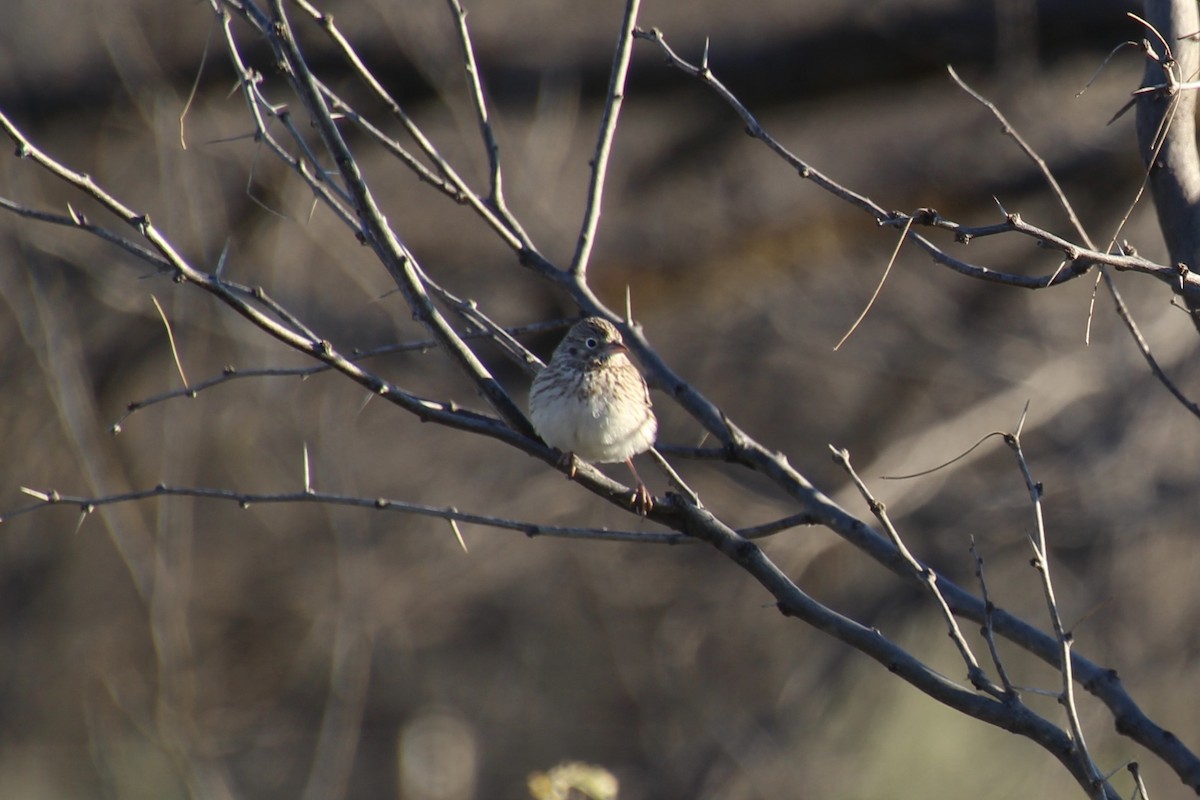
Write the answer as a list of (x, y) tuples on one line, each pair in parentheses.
[(178, 646)]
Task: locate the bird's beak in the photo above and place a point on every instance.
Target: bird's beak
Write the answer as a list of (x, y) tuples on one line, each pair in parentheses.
[(616, 347)]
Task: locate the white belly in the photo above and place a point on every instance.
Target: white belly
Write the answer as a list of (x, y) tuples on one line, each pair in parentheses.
[(593, 425)]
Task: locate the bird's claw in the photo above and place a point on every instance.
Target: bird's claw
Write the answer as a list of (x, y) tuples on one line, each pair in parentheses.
[(569, 463), (643, 501)]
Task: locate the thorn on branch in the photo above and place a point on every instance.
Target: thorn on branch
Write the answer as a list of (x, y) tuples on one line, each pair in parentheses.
[(45, 497)]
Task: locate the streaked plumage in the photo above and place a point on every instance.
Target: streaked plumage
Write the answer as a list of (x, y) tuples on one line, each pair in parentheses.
[(592, 401)]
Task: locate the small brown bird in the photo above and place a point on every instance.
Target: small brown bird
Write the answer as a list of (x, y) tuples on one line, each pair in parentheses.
[(591, 402)]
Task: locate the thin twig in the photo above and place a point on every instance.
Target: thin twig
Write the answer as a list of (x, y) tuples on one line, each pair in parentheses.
[(1007, 713), (171, 340), (673, 476), (879, 288), (1041, 563), (495, 214), (309, 495), (496, 178), (1032, 154), (319, 182), (1136, 772), (927, 576), (391, 252), (470, 312), (608, 129), (1083, 259), (944, 464), (322, 350), (1102, 274), (187, 105), (1144, 348), (230, 373), (989, 633)]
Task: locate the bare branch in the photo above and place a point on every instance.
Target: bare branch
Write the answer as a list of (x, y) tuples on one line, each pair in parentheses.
[(928, 578), (391, 252), (879, 287), (608, 129), (1065, 639), (1032, 154), (88, 505), (479, 104), (344, 189), (1175, 182), (231, 373), (171, 340), (1122, 310), (793, 602), (988, 632), (495, 214), (1144, 347)]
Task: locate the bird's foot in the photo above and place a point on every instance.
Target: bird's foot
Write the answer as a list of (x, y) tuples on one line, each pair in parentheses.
[(570, 463), (643, 501)]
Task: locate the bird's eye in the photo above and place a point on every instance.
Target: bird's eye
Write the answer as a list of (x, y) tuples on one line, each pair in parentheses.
[(591, 343)]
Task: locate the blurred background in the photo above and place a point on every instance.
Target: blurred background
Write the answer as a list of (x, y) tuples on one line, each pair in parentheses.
[(175, 647)]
